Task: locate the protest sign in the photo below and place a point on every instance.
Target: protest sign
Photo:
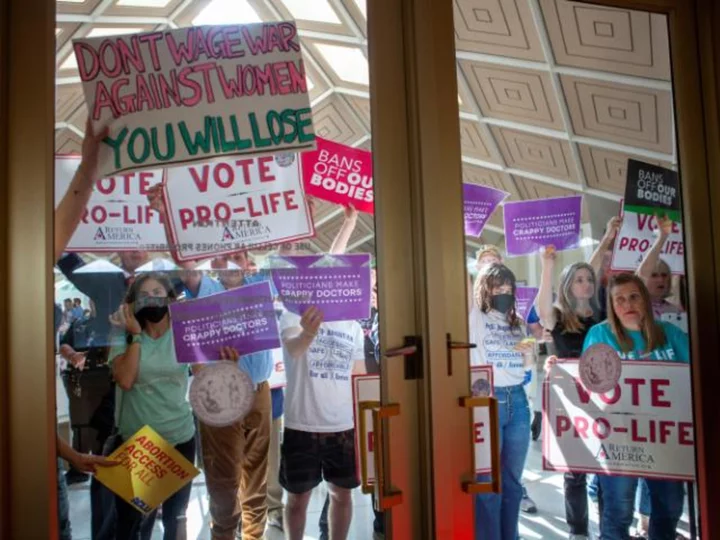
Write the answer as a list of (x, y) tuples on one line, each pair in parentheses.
[(149, 471), (117, 216), (338, 285), (524, 300), (479, 202), (637, 235), (189, 94), (243, 318), (652, 190), (339, 174), (481, 383), (366, 388), (278, 378), (643, 427), (227, 206), (532, 225)]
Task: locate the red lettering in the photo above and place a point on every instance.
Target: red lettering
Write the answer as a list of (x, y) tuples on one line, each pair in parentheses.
[(656, 393), (633, 244), (106, 185), (665, 426), (264, 169), (275, 201), (634, 432), (635, 389), (616, 393), (477, 430), (145, 178), (127, 219), (603, 433), (203, 213), (186, 217), (290, 203), (562, 424), (624, 241), (244, 164), (229, 175), (581, 427), (98, 214), (686, 433), (371, 441), (201, 183), (583, 394)]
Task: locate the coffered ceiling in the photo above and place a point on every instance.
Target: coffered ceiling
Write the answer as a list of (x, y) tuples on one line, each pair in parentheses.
[(554, 96)]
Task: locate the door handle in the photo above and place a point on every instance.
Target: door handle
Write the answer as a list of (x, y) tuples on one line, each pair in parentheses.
[(453, 346), (412, 351), (494, 486)]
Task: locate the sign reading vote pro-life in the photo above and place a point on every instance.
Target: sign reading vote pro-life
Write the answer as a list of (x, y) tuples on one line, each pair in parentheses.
[(243, 318), (532, 225), (652, 190), (230, 205), (338, 285), (189, 94), (479, 202), (643, 427), (117, 216)]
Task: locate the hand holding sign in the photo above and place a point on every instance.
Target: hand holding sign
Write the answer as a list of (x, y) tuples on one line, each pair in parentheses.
[(664, 226), (91, 150), (88, 463), (311, 321)]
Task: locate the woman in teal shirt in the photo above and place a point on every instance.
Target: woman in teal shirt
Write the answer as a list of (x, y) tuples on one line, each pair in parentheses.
[(152, 390), (633, 332)]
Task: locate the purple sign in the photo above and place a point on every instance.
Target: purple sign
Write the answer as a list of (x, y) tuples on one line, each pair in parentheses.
[(243, 318), (524, 299), (479, 202), (531, 225), (338, 285)]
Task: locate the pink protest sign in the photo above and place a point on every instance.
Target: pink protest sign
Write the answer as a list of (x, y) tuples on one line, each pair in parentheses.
[(339, 174), (479, 202)]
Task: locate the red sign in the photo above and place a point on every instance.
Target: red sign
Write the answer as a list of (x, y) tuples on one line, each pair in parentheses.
[(339, 174)]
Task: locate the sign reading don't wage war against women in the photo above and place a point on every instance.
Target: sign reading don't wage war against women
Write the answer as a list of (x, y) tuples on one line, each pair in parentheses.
[(339, 174), (479, 202), (188, 94), (243, 318), (653, 190), (230, 205), (118, 216), (532, 225), (338, 285), (643, 427)]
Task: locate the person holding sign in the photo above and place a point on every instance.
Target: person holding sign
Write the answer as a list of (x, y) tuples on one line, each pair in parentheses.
[(569, 319), (633, 332), (501, 341), (152, 391)]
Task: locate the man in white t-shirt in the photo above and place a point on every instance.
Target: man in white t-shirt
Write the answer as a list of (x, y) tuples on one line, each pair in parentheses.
[(319, 436)]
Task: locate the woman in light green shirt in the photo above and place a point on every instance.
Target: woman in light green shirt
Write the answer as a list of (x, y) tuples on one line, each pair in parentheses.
[(152, 390)]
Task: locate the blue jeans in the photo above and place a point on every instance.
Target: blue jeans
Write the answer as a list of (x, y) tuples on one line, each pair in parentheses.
[(497, 515), (618, 504), (65, 532)]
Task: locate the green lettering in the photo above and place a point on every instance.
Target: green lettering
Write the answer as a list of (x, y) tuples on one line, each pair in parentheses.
[(115, 145), (146, 145), (225, 145), (214, 135), (289, 119), (240, 144), (303, 123), (272, 118), (200, 140), (259, 141), (170, 136)]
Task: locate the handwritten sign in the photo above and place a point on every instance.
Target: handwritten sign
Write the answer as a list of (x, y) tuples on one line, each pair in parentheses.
[(339, 285), (652, 190), (227, 206), (643, 427), (150, 471), (188, 94), (636, 237), (243, 318), (117, 216), (479, 202), (531, 225), (339, 174)]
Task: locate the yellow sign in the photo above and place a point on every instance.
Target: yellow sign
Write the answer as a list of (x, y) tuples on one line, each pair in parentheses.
[(150, 470)]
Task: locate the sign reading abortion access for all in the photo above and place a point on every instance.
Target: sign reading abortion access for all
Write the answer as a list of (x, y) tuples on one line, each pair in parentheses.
[(479, 202), (532, 225), (635, 238), (652, 190), (243, 318), (149, 471), (118, 216), (339, 174), (524, 299), (189, 94), (644, 427), (338, 285), (230, 205)]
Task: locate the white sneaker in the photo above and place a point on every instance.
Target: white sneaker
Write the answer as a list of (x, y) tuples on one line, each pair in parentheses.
[(275, 519)]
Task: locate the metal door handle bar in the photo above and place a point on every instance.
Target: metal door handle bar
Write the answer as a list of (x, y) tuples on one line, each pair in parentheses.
[(453, 346), (494, 486)]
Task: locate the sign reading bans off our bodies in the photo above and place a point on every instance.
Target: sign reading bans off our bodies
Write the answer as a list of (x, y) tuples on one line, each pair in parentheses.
[(230, 205), (652, 190), (643, 427), (189, 94), (118, 216)]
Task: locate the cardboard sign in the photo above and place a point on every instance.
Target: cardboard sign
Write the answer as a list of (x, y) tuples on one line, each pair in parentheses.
[(117, 216), (339, 174), (339, 285), (150, 471), (479, 202), (278, 378), (189, 94), (227, 206), (243, 318), (652, 190), (636, 237), (524, 300), (532, 225), (643, 427)]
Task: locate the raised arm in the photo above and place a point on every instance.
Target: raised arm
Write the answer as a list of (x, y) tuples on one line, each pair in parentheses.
[(297, 339), (596, 259), (545, 294), (652, 257), (342, 238), (125, 366)]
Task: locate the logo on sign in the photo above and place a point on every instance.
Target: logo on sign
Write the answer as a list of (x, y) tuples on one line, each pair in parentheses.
[(619, 454), (116, 234)]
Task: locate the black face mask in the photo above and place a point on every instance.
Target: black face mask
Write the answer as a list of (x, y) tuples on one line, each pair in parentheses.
[(151, 309), (502, 302)]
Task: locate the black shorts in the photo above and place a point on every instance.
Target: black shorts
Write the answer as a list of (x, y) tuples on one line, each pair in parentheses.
[(307, 458)]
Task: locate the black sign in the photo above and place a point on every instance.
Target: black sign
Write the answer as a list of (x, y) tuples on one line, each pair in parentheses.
[(652, 190)]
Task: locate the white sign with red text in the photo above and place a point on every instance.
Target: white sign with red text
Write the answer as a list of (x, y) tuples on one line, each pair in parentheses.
[(643, 427), (481, 382), (118, 216), (277, 378), (365, 388), (226, 206), (637, 235)]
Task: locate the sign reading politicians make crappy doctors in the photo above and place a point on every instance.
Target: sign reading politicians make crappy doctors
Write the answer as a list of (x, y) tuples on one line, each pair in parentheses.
[(479, 202), (338, 285), (243, 318), (149, 471), (339, 174), (643, 427), (189, 94), (532, 225), (524, 300), (652, 190), (226, 206), (117, 216)]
